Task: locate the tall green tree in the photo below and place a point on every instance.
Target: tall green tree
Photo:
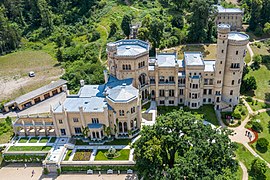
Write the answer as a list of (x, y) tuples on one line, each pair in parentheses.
[(258, 169), (179, 146), (125, 25), (256, 7), (200, 12), (46, 15)]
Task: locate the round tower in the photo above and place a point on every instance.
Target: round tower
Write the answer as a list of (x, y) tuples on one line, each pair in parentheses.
[(236, 52), (222, 44), (111, 51)]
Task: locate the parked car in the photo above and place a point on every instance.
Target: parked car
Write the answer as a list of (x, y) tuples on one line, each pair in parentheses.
[(32, 74)]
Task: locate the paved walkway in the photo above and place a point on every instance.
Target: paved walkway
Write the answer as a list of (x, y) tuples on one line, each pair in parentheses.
[(153, 110), (244, 169), (251, 54)]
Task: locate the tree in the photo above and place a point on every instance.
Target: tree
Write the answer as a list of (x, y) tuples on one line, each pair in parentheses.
[(248, 84), (266, 28), (179, 146), (199, 20), (262, 143), (46, 15), (258, 169), (256, 7), (113, 29), (257, 60), (125, 25)]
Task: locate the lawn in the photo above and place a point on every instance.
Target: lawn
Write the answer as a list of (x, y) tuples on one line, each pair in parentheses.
[(23, 140), (30, 148), (118, 142), (44, 140), (208, 51), (6, 131), (124, 155), (82, 155), (53, 139), (260, 48), (34, 140), (68, 154), (247, 58), (243, 155), (256, 105), (262, 77), (264, 120), (14, 73)]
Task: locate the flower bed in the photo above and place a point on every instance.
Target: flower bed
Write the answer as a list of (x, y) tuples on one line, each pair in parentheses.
[(82, 155)]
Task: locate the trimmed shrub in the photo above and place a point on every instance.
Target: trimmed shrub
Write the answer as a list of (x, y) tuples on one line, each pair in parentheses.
[(256, 126), (249, 99), (262, 143)]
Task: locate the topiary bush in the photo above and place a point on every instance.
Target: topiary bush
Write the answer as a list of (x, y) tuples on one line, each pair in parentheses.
[(256, 126), (262, 143)]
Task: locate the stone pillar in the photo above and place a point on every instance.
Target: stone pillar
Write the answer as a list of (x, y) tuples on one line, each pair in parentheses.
[(81, 116), (68, 132), (56, 129)]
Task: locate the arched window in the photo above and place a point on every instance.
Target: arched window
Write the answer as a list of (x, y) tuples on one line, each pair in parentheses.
[(131, 124), (142, 79), (94, 134), (124, 67), (153, 93), (125, 127), (120, 127), (129, 67), (143, 63), (232, 82), (121, 113)]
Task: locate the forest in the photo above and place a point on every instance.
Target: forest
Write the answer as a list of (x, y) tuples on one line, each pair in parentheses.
[(76, 32)]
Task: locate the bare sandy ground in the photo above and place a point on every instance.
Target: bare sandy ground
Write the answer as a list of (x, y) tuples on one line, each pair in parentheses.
[(14, 87), (21, 173)]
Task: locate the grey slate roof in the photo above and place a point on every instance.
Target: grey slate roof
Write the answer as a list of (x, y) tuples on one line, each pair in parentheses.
[(166, 59), (209, 66), (193, 59), (221, 9), (39, 91), (123, 93), (131, 47), (238, 36)]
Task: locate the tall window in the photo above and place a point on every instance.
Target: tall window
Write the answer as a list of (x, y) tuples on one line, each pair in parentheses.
[(78, 130), (161, 92), (232, 82), (132, 110), (60, 121), (171, 93), (63, 132), (161, 78), (210, 91), (121, 113), (171, 79), (95, 120), (75, 120), (231, 92), (181, 91)]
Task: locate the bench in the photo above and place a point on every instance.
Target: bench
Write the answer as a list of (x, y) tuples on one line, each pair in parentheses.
[(109, 171), (90, 171), (130, 171)]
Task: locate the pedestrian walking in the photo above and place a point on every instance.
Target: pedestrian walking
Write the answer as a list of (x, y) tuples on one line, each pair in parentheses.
[(25, 166), (33, 172)]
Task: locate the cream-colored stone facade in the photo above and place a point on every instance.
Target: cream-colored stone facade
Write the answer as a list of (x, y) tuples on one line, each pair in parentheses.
[(114, 108), (231, 16), (191, 81)]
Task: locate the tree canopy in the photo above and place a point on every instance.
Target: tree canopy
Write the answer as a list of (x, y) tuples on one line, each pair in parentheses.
[(179, 146)]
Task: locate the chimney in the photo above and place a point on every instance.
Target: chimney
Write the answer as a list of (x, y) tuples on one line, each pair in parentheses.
[(105, 72), (82, 82)]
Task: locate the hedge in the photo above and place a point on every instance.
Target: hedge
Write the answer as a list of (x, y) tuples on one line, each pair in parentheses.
[(95, 168), (24, 158)]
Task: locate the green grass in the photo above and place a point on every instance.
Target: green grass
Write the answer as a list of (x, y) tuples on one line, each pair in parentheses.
[(44, 140), (255, 106), (263, 50), (262, 77), (118, 142), (243, 155), (80, 142), (23, 140), (124, 155), (82, 155), (6, 131), (34, 140), (29, 148), (264, 120), (53, 139), (68, 155), (247, 58), (208, 51)]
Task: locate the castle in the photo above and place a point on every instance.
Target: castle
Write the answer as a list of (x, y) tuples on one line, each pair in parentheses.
[(114, 108)]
